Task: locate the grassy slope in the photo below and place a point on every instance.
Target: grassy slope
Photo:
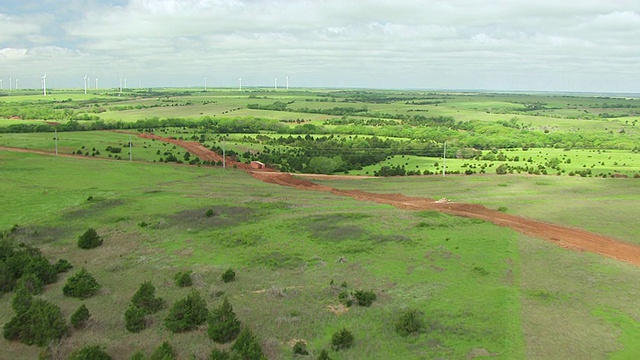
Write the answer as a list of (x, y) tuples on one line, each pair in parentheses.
[(462, 274)]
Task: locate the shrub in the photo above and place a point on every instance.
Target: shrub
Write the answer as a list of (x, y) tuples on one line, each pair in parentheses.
[(229, 275), (145, 298), (138, 355), (163, 352), (21, 301), (364, 298), (134, 319), (409, 322), (223, 324), (90, 352), (80, 317), (40, 324), (81, 285), (345, 298), (31, 283), (247, 346), (89, 240), (300, 348), (324, 355), (183, 278), (209, 213), (342, 339), (62, 266), (187, 314), (218, 355)]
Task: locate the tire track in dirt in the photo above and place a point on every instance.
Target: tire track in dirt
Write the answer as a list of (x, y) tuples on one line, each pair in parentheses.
[(566, 237)]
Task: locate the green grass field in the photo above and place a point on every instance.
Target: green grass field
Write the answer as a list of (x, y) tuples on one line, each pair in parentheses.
[(483, 289)]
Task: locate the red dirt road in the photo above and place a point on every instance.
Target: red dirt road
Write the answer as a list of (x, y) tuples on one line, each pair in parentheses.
[(570, 238)]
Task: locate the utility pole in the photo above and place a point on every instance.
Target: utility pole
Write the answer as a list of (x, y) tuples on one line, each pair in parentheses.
[(56, 140), (444, 160), (224, 153), (130, 146)]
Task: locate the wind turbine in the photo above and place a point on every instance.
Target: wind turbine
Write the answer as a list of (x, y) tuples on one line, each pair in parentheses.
[(120, 86), (9, 83), (16, 84), (85, 84), (125, 83), (96, 83), (240, 81), (44, 84), (287, 82), (275, 86), (1, 87), (205, 83)]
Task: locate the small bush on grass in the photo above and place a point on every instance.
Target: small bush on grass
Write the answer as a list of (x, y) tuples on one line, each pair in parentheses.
[(138, 355), (21, 301), (409, 322), (134, 319), (324, 355), (219, 355), (40, 324), (183, 278), (300, 348), (229, 275), (62, 266), (223, 324), (163, 352), (342, 339), (364, 298), (81, 285), (89, 240), (90, 352), (247, 346), (187, 314), (80, 317), (145, 298)]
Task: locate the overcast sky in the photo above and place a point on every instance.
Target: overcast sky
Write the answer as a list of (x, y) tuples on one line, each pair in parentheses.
[(554, 45)]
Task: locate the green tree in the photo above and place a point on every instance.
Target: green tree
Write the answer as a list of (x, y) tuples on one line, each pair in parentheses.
[(187, 314), (81, 285), (40, 324), (163, 352), (409, 322), (223, 324), (80, 316), (247, 346), (324, 355), (183, 278), (134, 319), (145, 298), (228, 276), (342, 339), (89, 239)]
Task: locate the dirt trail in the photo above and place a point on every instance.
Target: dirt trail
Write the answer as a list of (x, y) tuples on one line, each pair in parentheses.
[(570, 238)]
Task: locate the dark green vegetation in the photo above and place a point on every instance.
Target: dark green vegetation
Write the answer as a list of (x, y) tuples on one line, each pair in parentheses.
[(81, 285), (437, 286), (89, 239)]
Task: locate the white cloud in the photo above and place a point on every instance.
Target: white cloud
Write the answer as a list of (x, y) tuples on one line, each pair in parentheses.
[(434, 43)]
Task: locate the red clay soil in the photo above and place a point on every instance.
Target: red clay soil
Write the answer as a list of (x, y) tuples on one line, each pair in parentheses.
[(570, 238)]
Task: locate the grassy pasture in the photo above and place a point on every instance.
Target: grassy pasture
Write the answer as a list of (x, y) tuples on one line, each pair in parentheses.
[(283, 243), (606, 206), (571, 161), (483, 289)]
